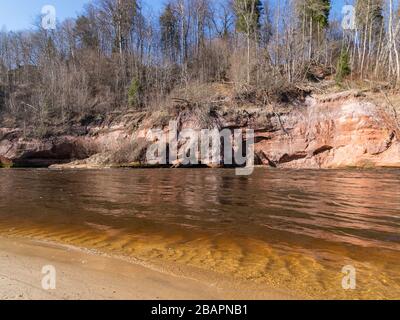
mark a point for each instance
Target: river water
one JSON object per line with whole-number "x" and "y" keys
{"x": 291, "y": 230}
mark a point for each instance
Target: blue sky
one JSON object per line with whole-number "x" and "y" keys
{"x": 21, "y": 14}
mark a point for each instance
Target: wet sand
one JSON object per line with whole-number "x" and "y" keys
{"x": 86, "y": 275}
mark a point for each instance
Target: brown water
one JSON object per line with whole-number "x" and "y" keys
{"x": 292, "y": 230}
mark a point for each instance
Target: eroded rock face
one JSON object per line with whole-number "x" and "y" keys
{"x": 337, "y": 134}
{"x": 17, "y": 150}
{"x": 23, "y": 151}
{"x": 4, "y": 162}
{"x": 325, "y": 132}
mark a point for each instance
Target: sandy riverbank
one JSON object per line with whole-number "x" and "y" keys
{"x": 82, "y": 275}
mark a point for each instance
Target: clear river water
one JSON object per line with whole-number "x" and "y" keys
{"x": 287, "y": 229}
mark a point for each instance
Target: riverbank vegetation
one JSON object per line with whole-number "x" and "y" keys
{"x": 120, "y": 55}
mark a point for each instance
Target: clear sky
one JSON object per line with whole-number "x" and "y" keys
{"x": 21, "y": 14}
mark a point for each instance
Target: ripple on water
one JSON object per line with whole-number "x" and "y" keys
{"x": 290, "y": 229}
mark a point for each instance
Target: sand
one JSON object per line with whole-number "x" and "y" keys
{"x": 86, "y": 275}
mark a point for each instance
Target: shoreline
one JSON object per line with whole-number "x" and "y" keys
{"x": 68, "y": 167}
{"x": 83, "y": 274}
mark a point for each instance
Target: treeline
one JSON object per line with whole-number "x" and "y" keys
{"x": 121, "y": 54}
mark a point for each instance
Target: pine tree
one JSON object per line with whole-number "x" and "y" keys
{"x": 266, "y": 24}
{"x": 369, "y": 18}
{"x": 248, "y": 14}
{"x": 124, "y": 13}
{"x": 369, "y": 14}
{"x": 343, "y": 68}
{"x": 314, "y": 18}
{"x": 321, "y": 10}
{"x": 134, "y": 93}
{"x": 170, "y": 40}
{"x": 85, "y": 31}
{"x": 316, "y": 10}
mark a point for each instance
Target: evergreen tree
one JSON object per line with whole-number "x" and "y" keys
{"x": 266, "y": 24}
{"x": 316, "y": 10}
{"x": 123, "y": 15}
{"x": 248, "y": 14}
{"x": 134, "y": 93}
{"x": 170, "y": 41}
{"x": 320, "y": 9}
{"x": 86, "y": 33}
{"x": 369, "y": 14}
{"x": 369, "y": 19}
{"x": 343, "y": 68}
{"x": 314, "y": 18}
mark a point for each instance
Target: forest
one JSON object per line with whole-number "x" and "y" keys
{"x": 121, "y": 55}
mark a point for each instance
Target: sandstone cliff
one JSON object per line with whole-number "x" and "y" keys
{"x": 336, "y": 131}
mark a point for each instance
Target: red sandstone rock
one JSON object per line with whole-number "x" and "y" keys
{"x": 333, "y": 135}
{"x": 328, "y": 132}
{"x": 4, "y": 162}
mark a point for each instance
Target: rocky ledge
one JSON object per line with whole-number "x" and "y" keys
{"x": 331, "y": 131}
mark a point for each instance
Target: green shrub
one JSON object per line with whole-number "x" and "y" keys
{"x": 343, "y": 68}
{"x": 134, "y": 93}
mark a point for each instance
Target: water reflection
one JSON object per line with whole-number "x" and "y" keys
{"x": 252, "y": 225}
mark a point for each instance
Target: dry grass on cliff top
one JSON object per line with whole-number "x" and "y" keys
{"x": 382, "y": 94}
{"x": 203, "y": 101}
{"x": 230, "y": 96}
{"x": 389, "y": 110}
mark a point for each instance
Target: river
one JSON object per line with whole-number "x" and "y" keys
{"x": 279, "y": 228}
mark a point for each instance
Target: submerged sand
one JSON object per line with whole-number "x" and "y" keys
{"x": 86, "y": 275}
{"x": 202, "y": 234}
